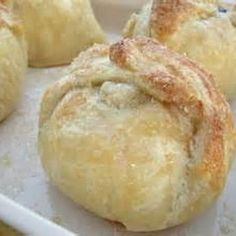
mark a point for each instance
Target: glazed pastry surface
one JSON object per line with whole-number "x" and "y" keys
{"x": 58, "y": 30}
{"x": 137, "y": 134}
{"x": 13, "y": 60}
{"x": 202, "y": 30}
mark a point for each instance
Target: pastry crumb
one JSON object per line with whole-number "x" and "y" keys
{"x": 57, "y": 220}
{"x": 6, "y": 160}
{"x": 227, "y": 221}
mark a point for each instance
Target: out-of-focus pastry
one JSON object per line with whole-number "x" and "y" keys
{"x": 13, "y": 60}
{"x": 137, "y": 134}
{"x": 57, "y": 30}
{"x": 8, "y": 3}
{"x": 203, "y": 30}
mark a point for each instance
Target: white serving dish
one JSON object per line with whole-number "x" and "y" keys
{"x": 27, "y": 221}
{"x": 23, "y": 180}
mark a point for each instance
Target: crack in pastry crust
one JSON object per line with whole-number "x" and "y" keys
{"x": 178, "y": 85}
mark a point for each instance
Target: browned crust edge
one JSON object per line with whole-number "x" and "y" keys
{"x": 214, "y": 114}
{"x": 167, "y": 16}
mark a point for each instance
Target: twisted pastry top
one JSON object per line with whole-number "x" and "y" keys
{"x": 139, "y": 70}
{"x": 168, "y": 16}
{"x": 203, "y": 30}
{"x": 161, "y": 19}
{"x": 164, "y": 75}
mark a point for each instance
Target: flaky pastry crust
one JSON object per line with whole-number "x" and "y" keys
{"x": 137, "y": 134}
{"x": 203, "y": 30}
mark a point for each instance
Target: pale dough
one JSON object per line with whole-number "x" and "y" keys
{"x": 137, "y": 134}
{"x": 58, "y": 30}
{"x": 13, "y": 61}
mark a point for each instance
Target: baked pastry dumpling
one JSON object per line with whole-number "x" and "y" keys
{"x": 13, "y": 60}
{"x": 57, "y": 30}
{"x": 206, "y": 32}
{"x": 137, "y": 134}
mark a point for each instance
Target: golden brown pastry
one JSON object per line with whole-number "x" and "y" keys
{"x": 137, "y": 134}
{"x": 13, "y": 60}
{"x": 201, "y": 30}
{"x": 57, "y": 30}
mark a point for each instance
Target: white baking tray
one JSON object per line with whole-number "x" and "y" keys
{"x": 23, "y": 180}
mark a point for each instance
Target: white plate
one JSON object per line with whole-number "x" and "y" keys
{"x": 23, "y": 180}
{"x": 27, "y": 221}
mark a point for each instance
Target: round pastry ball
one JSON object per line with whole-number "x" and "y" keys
{"x": 137, "y": 134}
{"x": 57, "y": 30}
{"x": 13, "y": 61}
{"x": 206, "y": 32}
